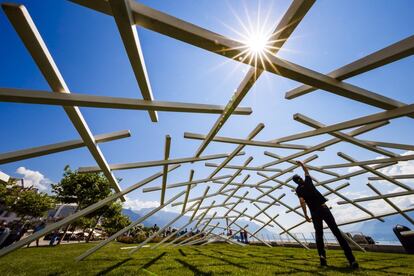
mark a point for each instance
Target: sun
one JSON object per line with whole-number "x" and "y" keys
{"x": 257, "y": 44}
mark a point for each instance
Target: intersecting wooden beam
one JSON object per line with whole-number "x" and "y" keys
{"x": 395, "y": 207}
{"x": 377, "y": 173}
{"x": 230, "y": 196}
{"x": 124, "y": 19}
{"x": 238, "y": 149}
{"x": 325, "y": 144}
{"x": 126, "y": 229}
{"x": 18, "y": 155}
{"x": 45, "y": 97}
{"x": 145, "y": 164}
{"x": 236, "y": 173}
{"x": 371, "y": 162}
{"x": 390, "y": 145}
{"x": 27, "y": 31}
{"x": 189, "y": 33}
{"x": 398, "y": 176}
{"x": 387, "y": 55}
{"x": 310, "y": 167}
{"x": 245, "y": 142}
{"x": 364, "y": 120}
{"x": 345, "y": 137}
{"x": 233, "y": 167}
{"x": 186, "y": 184}
{"x": 370, "y": 198}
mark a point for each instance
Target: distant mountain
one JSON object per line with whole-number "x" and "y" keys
{"x": 382, "y": 231}
{"x": 162, "y": 218}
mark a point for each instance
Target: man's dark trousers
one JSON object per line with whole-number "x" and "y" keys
{"x": 324, "y": 214}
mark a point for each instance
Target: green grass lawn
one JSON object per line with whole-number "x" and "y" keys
{"x": 213, "y": 259}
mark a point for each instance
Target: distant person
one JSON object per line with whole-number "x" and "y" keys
{"x": 54, "y": 237}
{"x": 241, "y": 236}
{"x": 245, "y": 236}
{"x": 37, "y": 228}
{"x": 310, "y": 196}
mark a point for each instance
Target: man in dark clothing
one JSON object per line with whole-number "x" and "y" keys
{"x": 309, "y": 195}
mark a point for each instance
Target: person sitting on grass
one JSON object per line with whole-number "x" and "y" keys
{"x": 310, "y": 196}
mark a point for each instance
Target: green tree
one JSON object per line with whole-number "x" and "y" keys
{"x": 113, "y": 220}
{"x": 85, "y": 189}
{"x": 25, "y": 202}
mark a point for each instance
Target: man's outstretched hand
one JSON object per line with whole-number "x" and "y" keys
{"x": 299, "y": 163}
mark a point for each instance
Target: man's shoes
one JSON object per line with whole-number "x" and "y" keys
{"x": 323, "y": 262}
{"x": 354, "y": 265}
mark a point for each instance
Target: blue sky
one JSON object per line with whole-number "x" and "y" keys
{"x": 87, "y": 49}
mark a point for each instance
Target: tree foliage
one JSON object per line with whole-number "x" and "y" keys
{"x": 25, "y": 202}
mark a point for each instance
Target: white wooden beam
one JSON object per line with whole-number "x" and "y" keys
{"x": 398, "y": 176}
{"x": 4, "y": 178}
{"x": 325, "y": 144}
{"x": 238, "y": 149}
{"x": 391, "y": 145}
{"x": 126, "y": 229}
{"x": 156, "y": 163}
{"x": 124, "y": 19}
{"x": 165, "y": 168}
{"x": 364, "y": 120}
{"x": 233, "y": 167}
{"x": 82, "y": 100}
{"x": 370, "y": 198}
{"x": 371, "y": 162}
{"x": 236, "y": 173}
{"x": 27, "y": 31}
{"x": 399, "y": 50}
{"x": 18, "y": 155}
{"x": 377, "y": 173}
{"x": 245, "y": 142}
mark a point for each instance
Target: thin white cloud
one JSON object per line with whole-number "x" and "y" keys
{"x": 35, "y": 179}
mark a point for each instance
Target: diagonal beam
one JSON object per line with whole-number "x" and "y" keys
{"x": 187, "y": 192}
{"x": 310, "y": 167}
{"x": 236, "y": 173}
{"x": 187, "y": 184}
{"x": 201, "y": 202}
{"x": 395, "y": 207}
{"x": 45, "y": 97}
{"x": 390, "y": 145}
{"x": 126, "y": 229}
{"x": 345, "y": 137}
{"x": 282, "y": 32}
{"x": 371, "y": 162}
{"x": 369, "y": 198}
{"x": 189, "y": 33}
{"x": 238, "y": 149}
{"x": 237, "y": 189}
{"x": 124, "y": 19}
{"x": 69, "y": 219}
{"x": 145, "y": 164}
{"x": 398, "y": 176}
{"x": 243, "y": 168}
{"x": 377, "y": 173}
{"x": 165, "y": 168}
{"x": 18, "y": 155}
{"x": 364, "y": 120}
{"x": 27, "y": 31}
{"x": 245, "y": 142}
{"x": 4, "y": 178}
{"x": 325, "y": 144}
{"x": 387, "y": 55}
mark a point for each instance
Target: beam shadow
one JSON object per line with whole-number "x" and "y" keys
{"x": 109, "y": 269}
{"x": 193, "y": 268}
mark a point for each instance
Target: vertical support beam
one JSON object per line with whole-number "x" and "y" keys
{"x": 187, "y": 192}
{"x": 125, "y": 21}
{"x": 26, "y": 29}
{"x": 201, "y": 201}
{"x": 165, "y": 169}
